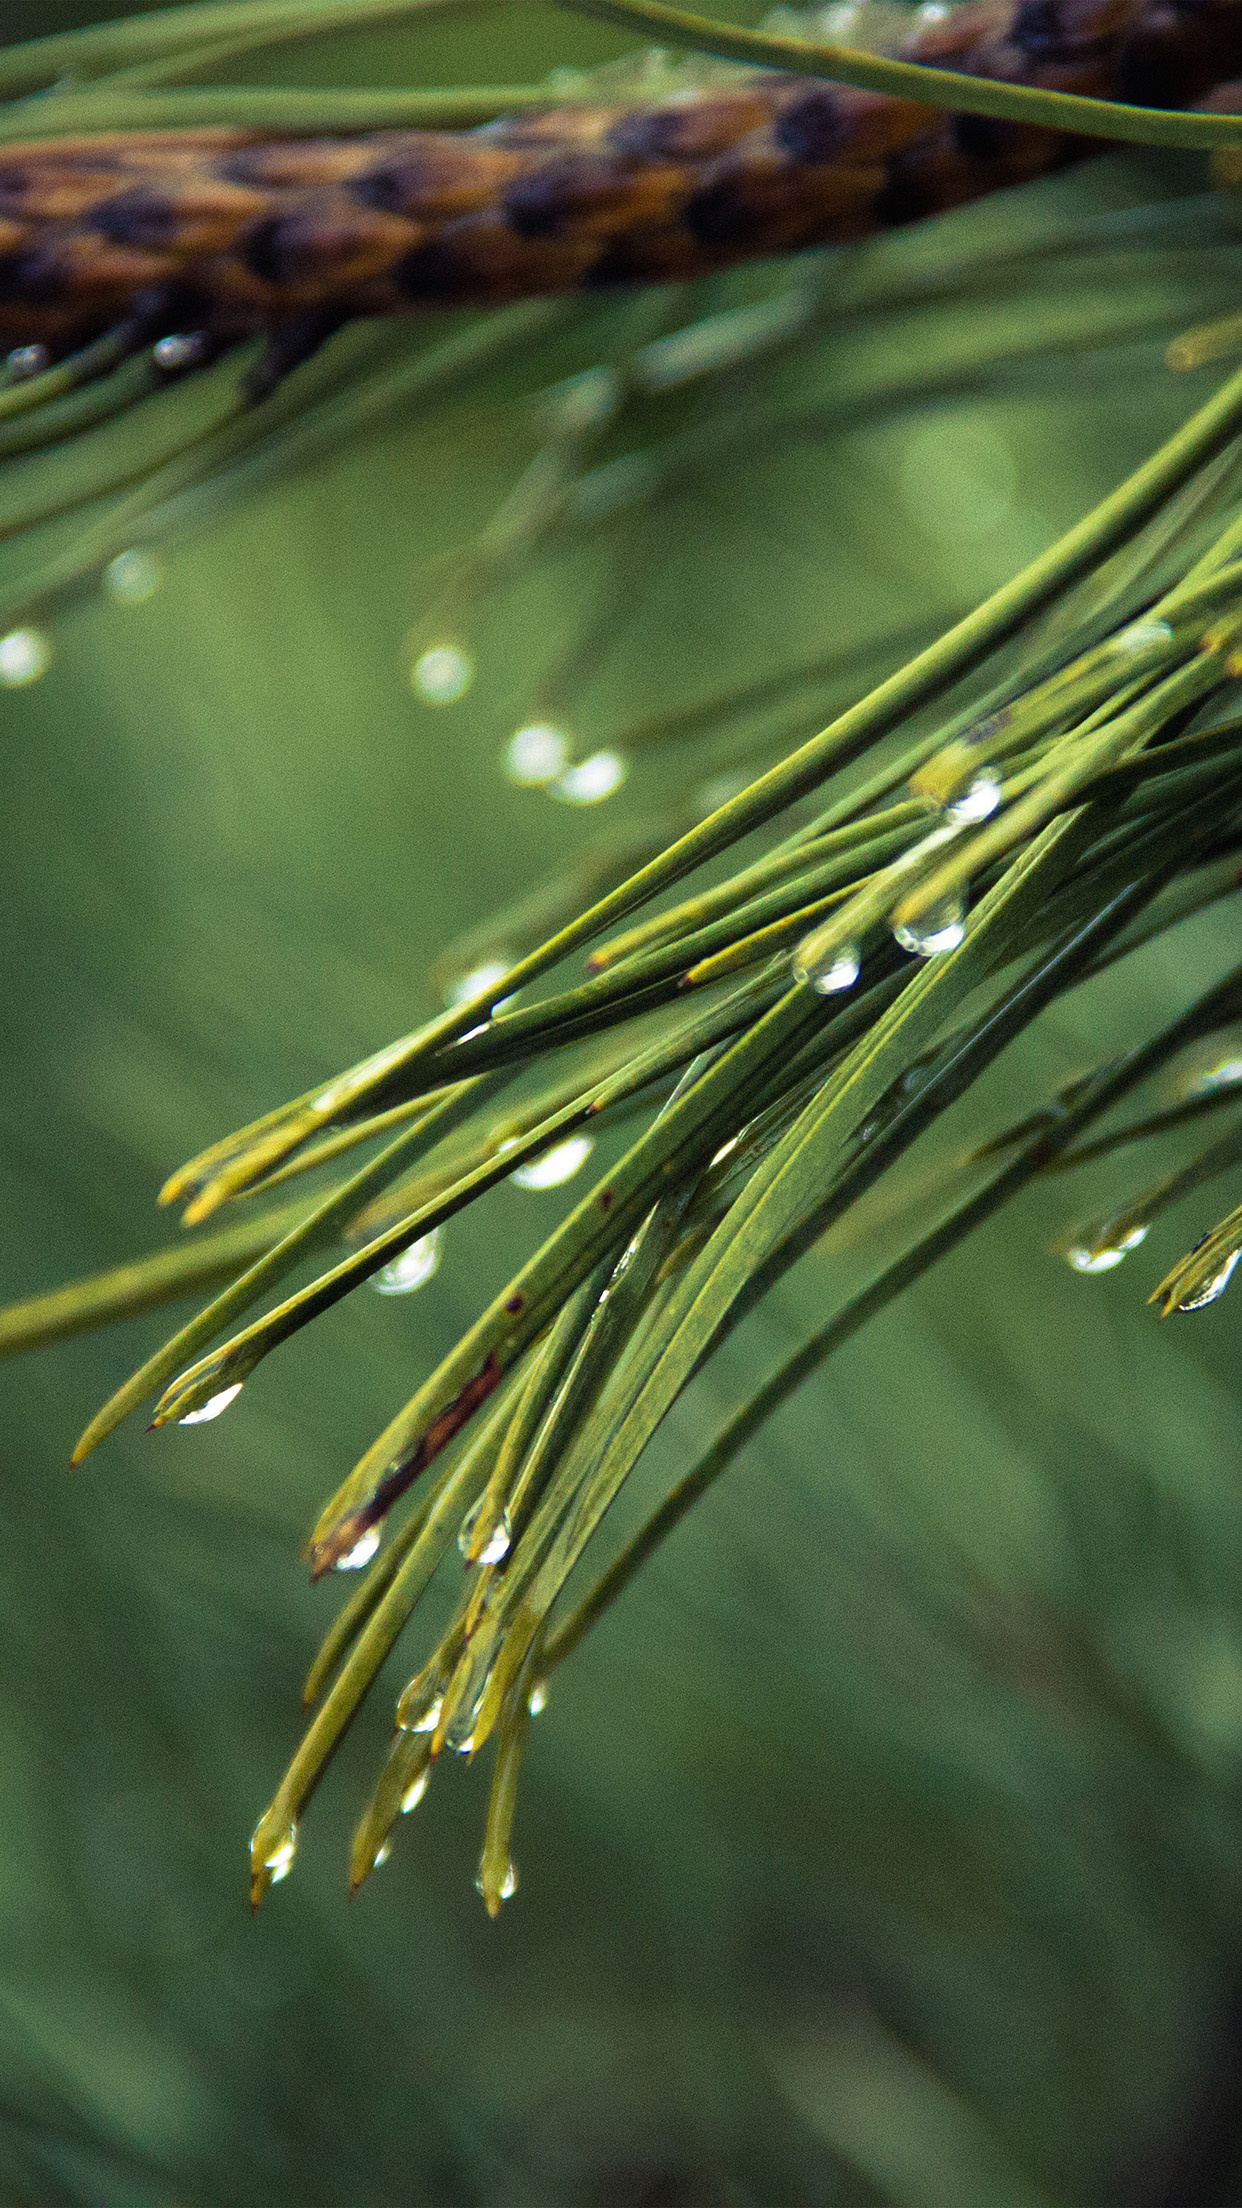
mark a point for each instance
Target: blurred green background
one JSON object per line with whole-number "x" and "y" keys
{"x": 883, "y": 1845}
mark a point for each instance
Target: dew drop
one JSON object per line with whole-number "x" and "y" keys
{"x": 26, "y": 361}
{"x": 412, "y": 1269}
{"x": 538, "y": 1698}
{"x": 508, "y": 1884}
{"x": 941, "y": 929}
{"x": 498, "y": 1542}
{"x": 361, "y": 1553}
{"x": 132, "y": 577}
{"x": 382, "y": 1854}
{"x": 419, "y": 1718}
{"x": 1215, "y": 1287}
{"x": 278, "y": 1862}
{"x": 442, "y": 674}
{"x": 212, "y": 1407}
{"x": 976, "y": 802}
{"x": 25, "y": 654}
{"x": 1226, "y": 1075}
{"x": 179, "y": 350}
{"x": 1101, "y": 1255}
{"x": 459, "y": 1732}
{"x": 591, "y": 780}
{"x": 468, "y": 985}
{"x": 1142, "y": 635}
{"x": 558, "y": 1164}
{"x": 536, "y": 754}
{"x": 837, "y": 970}
{"x": 415, "y": 1792}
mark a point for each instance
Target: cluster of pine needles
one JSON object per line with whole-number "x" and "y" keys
{"x": 1044, "y": 788}
{"x": 782, "y": 1037}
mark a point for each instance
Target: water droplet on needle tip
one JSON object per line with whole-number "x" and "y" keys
{"x": 941, "y": 929}
{"x": 836, "y": 971}
{"x": 506, "y": 1889}
{"x": 977, "y": 802}
{"x": 1101, "y": 1254}
{"x": 498, "y": 1542}
{"x": 361, "y": 1553}
{"x": 212, "y": 1407}
{"x": 1213, "y": 1288}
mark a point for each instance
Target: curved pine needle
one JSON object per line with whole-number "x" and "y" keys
{"x": 910, "y": 80}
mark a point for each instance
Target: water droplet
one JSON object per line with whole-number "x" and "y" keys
{"x": 1224, "y": 1076}
{"x": 361, "y": 1553}
{"x": 26, "y": 361}
{"x": 1141, "y": 635}
{"x": 591, "y": 779}
{"x": 498, "y": 1542}
{"x": 1215, "y": 1287}
{"x": 468, "y": 985}
{"x": 212, "y": 1407}
{"x": 419, "y": 1713}
{"x": 725, "y": 1149}
{"x": 179, "y": 350}
{"x": 837, "y": 970}
{"x": 415, "y": 1792}
{"x": 132, "y": 577}
{"x": 941, "y": 929}
{"x": 1100, "y": 1252}
{"x": 508, "y": 1884}
{"x": 538, "y": 1698}
{"x": 459, "y": 1732}
{"x": 278, "y": 1862}
{"x": 25, "y": 654}
{"x": 412, "y": 1269}
{"x": 558, "y": 1164}
{"x": 536, "y": 754}
{"x": 976, "y": 802}
{"x": 382, "y": 1854}
{"x": 442, "y": 674}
